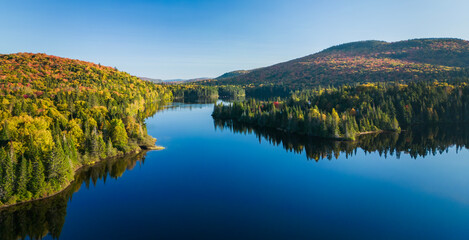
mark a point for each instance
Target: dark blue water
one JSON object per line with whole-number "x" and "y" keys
{"x": 213, "y": 184}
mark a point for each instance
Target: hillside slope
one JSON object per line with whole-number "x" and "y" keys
{"x": 367, "y": 61}
{"x": 233, "y": 74}
{"x": 58, "y": 114}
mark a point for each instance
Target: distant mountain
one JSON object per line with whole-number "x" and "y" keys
{"x": 365, "y": 61}
{"x": 151, "y": 80}
{"x": 177, "y": 81}
{"x": 173, "y": 81}
{"x": 233, "y": 74}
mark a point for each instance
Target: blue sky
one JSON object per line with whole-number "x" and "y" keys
{"x": 187, "y": 39}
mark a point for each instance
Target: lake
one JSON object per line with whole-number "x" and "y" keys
{"x": 221, "y": 181}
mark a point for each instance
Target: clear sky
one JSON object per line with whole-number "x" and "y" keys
{"x": 205, "y": 38}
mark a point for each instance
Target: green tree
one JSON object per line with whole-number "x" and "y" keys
{"x": 4, "y": 133}
{"x": 23, "y": 179}
{"x": 335, "y": 123}
{"x": 110, "y": 150}
{"x": 7, "y": 181}
{"x": 36, "y": 184}
{"x": 59, "y": 170}
{"x": 118, "y": 134}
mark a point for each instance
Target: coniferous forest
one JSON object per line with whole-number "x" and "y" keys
{"x": 348, "y": 111}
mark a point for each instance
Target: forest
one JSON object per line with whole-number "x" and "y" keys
{"x": 348, "y": 111}
{"x": 192, "y": 92}
{"x": 59, "y": 114}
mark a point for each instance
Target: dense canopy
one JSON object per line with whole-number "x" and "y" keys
{"x": 57, "y": 114}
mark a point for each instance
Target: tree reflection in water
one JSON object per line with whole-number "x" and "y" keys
{"x": 37, "y": 219}
{"x": 417, "y": 142}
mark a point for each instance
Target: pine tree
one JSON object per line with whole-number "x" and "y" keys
{"x": 22, "y": 179}
{"x": 64, "y": 165}
{"x": 93, "y": 144}
{"x": 4, "y": 134}
{"x": 59, "y": 168}
{"x": 36, "y": 184}
{"x": 7, "y": 181}
{"x": 101, "y": 147}
{"x": 110, "y": 150}
{"x": 72, "y": 150}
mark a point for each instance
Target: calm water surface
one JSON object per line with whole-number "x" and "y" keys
{"x": 211, "y": 183}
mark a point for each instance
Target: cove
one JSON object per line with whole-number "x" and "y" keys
{"x": 217, "y": 181}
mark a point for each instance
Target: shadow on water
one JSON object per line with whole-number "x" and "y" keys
{"x": 37, "y": 219}
{"x": 417, "y": 142}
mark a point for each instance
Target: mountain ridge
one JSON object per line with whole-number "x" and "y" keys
{"x": 365, "y": 61}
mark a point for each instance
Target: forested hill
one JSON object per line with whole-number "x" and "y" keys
{"x": 58, "y": 114}
{"x": 366, "y": 61}
{"x": 233, "y": 74}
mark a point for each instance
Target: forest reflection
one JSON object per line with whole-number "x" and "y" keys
{"x": 41, "y": 218}
{"x": 416, "y": 142}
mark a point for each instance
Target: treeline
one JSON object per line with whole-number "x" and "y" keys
{"x": 231, "y": 92}
{"x": 268, "y": 91}
{"x": 347, "y": 111}
{"x": 193, "y": 93}
{"x": 58, "y": 114}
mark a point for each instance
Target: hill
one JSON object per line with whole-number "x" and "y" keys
{"x": 366, "y": 61}
{"x": 181, "y": 81}
{"x": 233, "y": 74}
{"x": 153, "y": 80}
{"x": 58, "y": 114}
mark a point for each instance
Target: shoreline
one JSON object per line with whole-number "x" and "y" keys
{"x": 135, "y": 151}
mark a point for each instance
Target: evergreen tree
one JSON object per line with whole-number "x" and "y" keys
{"x": 110, "y": 150}
{"x": 22, "y": 179}
{"x": 7, "y": 181}
{"x": 37, "y": 182}
{"x": 4, "y": 134}
{"x": 59, "y": 166}
{"x": 101, "y": 147}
